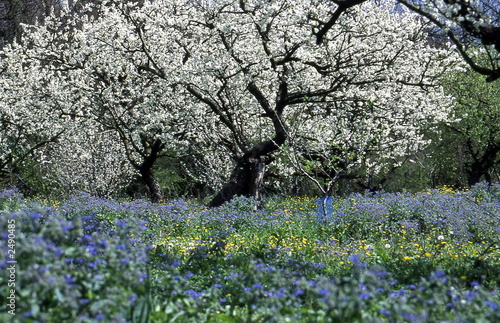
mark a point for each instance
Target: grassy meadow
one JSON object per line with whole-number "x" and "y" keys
{"x": 392, "y": 257}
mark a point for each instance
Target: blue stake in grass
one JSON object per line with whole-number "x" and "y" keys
{"x": 324, "y": 208}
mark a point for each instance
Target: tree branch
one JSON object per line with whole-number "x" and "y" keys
{"x": 343, "y": 5}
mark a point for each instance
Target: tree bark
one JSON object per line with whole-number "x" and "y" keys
{"x": 248, "y": 173}
{"x": 476, "y": 172}
{"x": 152, "y": 184}
{"x": 146, "y": 169}
{"x": 481, "y": 166}
{"x": 245, "y": 180}
{"x": 238, "y": 184}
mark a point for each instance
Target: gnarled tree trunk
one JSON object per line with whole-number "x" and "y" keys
{"x": 146, "y": 169}
{"x": 155, "y": 191}
{"x": 248, "y": 173}
{"x": 245, "y": 180}
{"x": 257, "y": 178}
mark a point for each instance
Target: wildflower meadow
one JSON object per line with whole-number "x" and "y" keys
{"x": 431, "y": 256}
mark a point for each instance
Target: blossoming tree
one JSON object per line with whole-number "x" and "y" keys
{"x": 61, "y": 152}
{"x": 235, "y": 83}
{"x": 354, "y": 98}
{"x": 466, "y": 22}
{"x": 26, "y": 125}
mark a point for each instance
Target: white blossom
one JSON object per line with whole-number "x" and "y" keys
{"x": 179, "y": 71}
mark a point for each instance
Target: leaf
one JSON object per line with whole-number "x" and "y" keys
{"x": 226, "y": 318}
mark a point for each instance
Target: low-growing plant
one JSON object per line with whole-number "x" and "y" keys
{"x": 424, "y": 257}
{"x": 79, "y": 269}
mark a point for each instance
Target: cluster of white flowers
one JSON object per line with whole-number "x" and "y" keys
{"x": 180, "y": 71}
{"x": 469, "y": 24}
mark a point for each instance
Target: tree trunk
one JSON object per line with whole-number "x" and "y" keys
{"x": 155, "y": 191}
{"x": 239, "y": 183}
{"x": 257, "y": 178}
{"x": 476, "y": 172}
{"x": 146, "y": 169}
{"x": 246, "y": 177}
{"x": 245, "y": 180}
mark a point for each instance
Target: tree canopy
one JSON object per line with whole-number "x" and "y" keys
{"x": 467, "y": 23}
{"x": 240, "y": 86}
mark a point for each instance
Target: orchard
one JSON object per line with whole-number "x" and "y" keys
{"x": 241, "y": 156}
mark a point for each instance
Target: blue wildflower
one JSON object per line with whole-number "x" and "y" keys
{"x": 385, "y": 312}
{"x": 103, "y": 243}
{"x": 193, "y": 294}
{"x": 69, "y": 280}
{"x": 323, "y": 292}
{"x": 281, "y": 293}
{"x": 298, "y": 292}
{"x": 83, "y": 301}
{"x": 257, "y": 286}
{"x": 121, "y": 223}
{"x": 364, "y": 295}
{"x": 36, "y": 216}
{"x": 492, "y": 305}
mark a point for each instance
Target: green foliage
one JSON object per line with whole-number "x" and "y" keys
{"x": 475, "y": 137}
{"x": 173, "y": 176}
